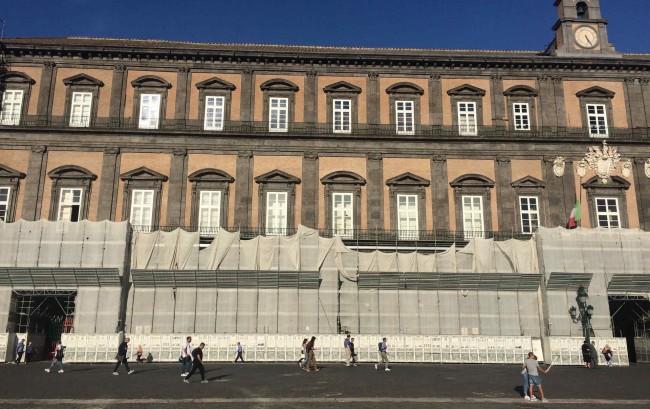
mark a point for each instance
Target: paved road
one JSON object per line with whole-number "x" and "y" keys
{"x": 273, "y": 386}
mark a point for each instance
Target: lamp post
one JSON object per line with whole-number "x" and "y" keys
{"x": 584, "y": 314}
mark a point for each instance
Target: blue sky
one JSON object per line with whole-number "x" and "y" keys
{"x": 460, "y": 24}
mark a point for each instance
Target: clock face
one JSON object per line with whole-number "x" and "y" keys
{"x": 586, "y": 37}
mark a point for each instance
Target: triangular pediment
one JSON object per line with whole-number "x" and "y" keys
{"x": 15, "y": 77}
{"x": 150, "y": 81}
{"x": 83, "y": 80}
{"x": 277, "y": 176}
{"x": 343, "y": 178}
{"x": 408, "y": 179}
{"x": 528, "y": 182}
{"x": 143, "y": 173}
{"x": 472, "y": 180}
{"x": 596, "y": 92}
{"x": 279, "y": 84}
{"x": 405, "y": 88}
{"x": 467, "y": 90}
{"x": 216, "y": 84}
{"x": 9, "y": 173}
{"x": 210, "y": 175}
{"x": 615, "y": 182}
{"x": 521, "y": 91}
{"x": 342, "y": 86}
{"x": 71, "y": 172}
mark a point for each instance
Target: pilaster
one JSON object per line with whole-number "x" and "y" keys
{"x": 177, "y": 188}
{"x": 497, "y": 100}
{"x": 108, "y": 187}
{"x": 34, "y": 183}
{"x": 435, "y": 100}
{"x": 247, "y": 95}
{"x": 642, "y": 192}
{"x": 310, "y": 185}
{"x": 182, "y": 80}
{"x": 244, "y": 189}
{"x": 547, "y": 102}
{"x": 311, "y": 97}
{"x": 375, "y": 190}
{"x": 118, "y": 86}
{"x": 48, "y": 77}
{"x": 505, "y": 194}
{"x": 440, "y": 193}
{"x": 372, "y": 98}
{"x": 560, "y": 106}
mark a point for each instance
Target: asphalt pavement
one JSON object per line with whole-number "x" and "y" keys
{"x": 254, "y": 385}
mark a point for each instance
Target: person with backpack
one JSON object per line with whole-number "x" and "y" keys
{"x": 383, "y": 355}
{"x": 20, "y": 349}
{"x": 58, "y": 357}
{"x": 348, "y": 354}
{"x": 121, "y": 357}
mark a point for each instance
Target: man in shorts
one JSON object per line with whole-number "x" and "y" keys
{"x": 533, "y": 368}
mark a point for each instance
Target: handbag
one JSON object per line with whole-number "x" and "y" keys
{"x": 119, "y": 357}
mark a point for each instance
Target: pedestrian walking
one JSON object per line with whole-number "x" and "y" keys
{"x": 586, "y": 354}
{"x": 607, "y": 352}
{"x": 302, "y": 353}
{"x": 524, "y": 373}
{"x": 121, "y": 357}
{"x": 383, "y": 355}
{"x": 593, "y": 353}
{"x": 186, "y": 356}
{"x": 20, "y": 349}
{"x": 352, "y": 353}
{"x": 138, "y": 355}
{"x": 533, "y": 369}
{"x": 311, "y": 356}
{"x": 59, "y": 354}
{"x": 240, "y": 351}
{"x": 29, "y": 353}
{"x": 348, "y": 354}
{"x": 197, "y": 363}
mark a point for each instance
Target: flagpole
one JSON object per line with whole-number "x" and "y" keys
{"x": 580, "y": 188}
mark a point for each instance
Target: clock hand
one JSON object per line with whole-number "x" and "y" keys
{"x": 588, "y": 40}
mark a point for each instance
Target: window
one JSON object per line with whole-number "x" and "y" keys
{"x": 69, "y": 205}
{"x": 407, "y": 216}
{"x": 473, "y": 216}
{"x": 607, "y": 212}
{"x": 343, "y": 214}
{"x": 404, "y": 117}
{"x": 81, "y": 109}
{"x": 342, "y": 116}
{"x": 4, "y": 202}
{"x": 149, "y": 111}
{"x": 467, "y": 124}
{"x": 529, "y": 211}
{"x": 278, "y": 114}
{"x": 521, "y": 116}
{"x": 214, "y": 113}
{"x": 12, "y": 102}
{"x": 276, "y": 213}
{"x": 142, "y": 210}
{"x": 597, "y": 119}
{"x": 209, "y": 211}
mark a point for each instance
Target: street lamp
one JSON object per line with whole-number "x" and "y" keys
{"x": 585, "y": 313}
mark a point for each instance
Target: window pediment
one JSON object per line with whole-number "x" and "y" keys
{"x": 616, "y": 182}
{"x": 521, "y": 91}
{"x": 343, "y": 178}
{"x": 404, "y": 88}
{"x": 528, "y": 182}
{"x": 215, "y": 84}
{"x": 15, "y": 77}
{"x": 83, "y": 80}
{"x": 342, "y": 87}
{"x": 150, "y": 81}
{"x": 466, "y": 90}
{"x": 143, "y": 173}
{"x": 211, "y": 175}
{"x": 279, "y": 84}
{"x": 277, "y": 176}
{"x": 71, "y": 172}
{"x": 407, "y": 179}
{"x": 472, "y": 180}
{"x": 9, "y": 173}
{"x": 596, "y": 92}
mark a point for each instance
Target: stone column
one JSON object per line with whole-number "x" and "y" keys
{"x": 440, "y": 192}
{"x": 497, "y": 100}
{"x": 182, "y": 79}
{"x": 108, "y": 187}
{"x": 310, "y": 185}
{"x": 375, "y": 190}
{"x": 244, "y": 189}
{"x": 372, "y": 98}
{"x": 645, "y": 95}
{"x": 548, "y": 117}
{"x": 642, "y": 191}
{"x": 48, "y": 77}
{"x": 311, "y": 97}
{"x": 560, "y": 106}
{"x": 177, "y": 188}
{"x": 34, "y": 183}
{"x": 435, "y": 100}
{"x": 116, "y": 109}
{"x": 505, "y": 194}
{"x": 635, "y": 104}
{"x": 247, "y": 95}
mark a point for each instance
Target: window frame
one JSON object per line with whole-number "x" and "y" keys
{"x": 345, "y": 232}
{"x": 343, "y": 90}
{"x": 149, "y": 85}
{"x": 597, "y": 118}
{"x": 466, "y": 93}
{"x": 596, "y": 96}
{"x": 277, "y": 181}
{"x": 343, "y": 182}
{"x": 474, "y": 128}
{"x": 403, "y": 123}
{"x": 215, "y": 180}
{"x": 10, "y": 178}
{"x": 616, "y": 188}
{"x": 6, "y": 203}
{"x": 71, "y": 205}
{"x": 279, "y": 88}
{"x": 404, "y": 92}
{"x": 82, "y": 123}
{"x": 529, "y": 186}
{"x": 215, "y": 87}
{"x": 141, "y": 123}
{"x": 522, "y": 94}
{"x": 473, "y": 185}
{"x": 607, "y": 212}
{"x": 13, "y": 118}
{"x": 81, "y": 83}
{"x": 279, "y": 110}
{"x": 524, "y": 117}
{"x": 70, "y": 177}
{"x": 407, "y": 234}
{"x": 210, "y": 207}
{"x": 220, "y": 125}
{"x": 342, "y": 112}
{"x": 412, "y": 185}
{"x": 528, "y": 212}
{"x": 142, "y": 227}
{"x": 142, "y": 178}
{"x": 275, "y": 230}
{"x": 18, "y": 81}
{"x": 473, "y": 233}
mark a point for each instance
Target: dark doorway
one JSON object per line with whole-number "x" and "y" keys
{"x": 627, "y": 312}
{"x": 44, "y": 315}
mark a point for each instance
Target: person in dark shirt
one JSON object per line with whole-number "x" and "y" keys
{"x": 197, "y": 363}
{"x": 353, "y": 354}
{"x": 121, "y": 357}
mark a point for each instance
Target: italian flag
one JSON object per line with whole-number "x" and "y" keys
{"x": 574, "y": 217}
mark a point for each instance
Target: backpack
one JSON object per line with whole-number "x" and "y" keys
{"x": 379, "y": 346}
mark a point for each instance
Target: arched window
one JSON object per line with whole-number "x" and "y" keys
{"x": 582, "y": 10}
{"x": 408, "y": 205}
{"x": 16, "y": 90}
{"x": 142, "y": 197}
{"x": 215, "y": 97}
{"x": 404, "y": 106}
{"x": 210, "y": 192}
{"x": 81, "y": 99}
{"x": 472, "y": 197}
{"x": 279, "y": 104}
{"x": 343, "y": 202}
{"x": 277, "y": 202}
{"x": 71, "y": 189}
{"x": 342, "y": 106}
{"x": 149, "y": 101}
{"x": 467, "y": 108}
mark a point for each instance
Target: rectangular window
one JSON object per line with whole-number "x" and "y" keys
{"x": 70, "y": 205}
{"x": 80, "y": 109}
{"x": 278, "y": 114}
{"x": 473, "y": 216}
{"x": 209, "y": 211}
{"x": 404, "y": 116}
{"x": 342, "y": 214}
{"x": 12, "y": 103}
{"x": 597, "y": 118}
{"x": 149, "y": 111}
{"x": 276, "y": 213}
{"x": 607, "y": 212}
{"x": 467, "y": 122}
{"x": 214, "y": 113}
{"x": 407, "y": 217}
{"x": 521, "y": 117}
{"x": 342, "y": 116}
{"x": 529, "y": 211}
{"x": 4, "y": 202}
{"x": 142, "y": 209}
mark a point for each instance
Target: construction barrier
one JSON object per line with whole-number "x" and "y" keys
{"x": 567, "y": 350}
{"x": 642, "y": 349}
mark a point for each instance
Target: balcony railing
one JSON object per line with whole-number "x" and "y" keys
{"x": 306, "y": 128}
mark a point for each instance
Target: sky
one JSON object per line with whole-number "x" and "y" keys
{"x": 437, "y": 24}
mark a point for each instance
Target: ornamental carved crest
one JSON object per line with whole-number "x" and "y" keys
{"x": 646, "y": 168}
{"x": 626, "y": 171}
{"x": 602, "y": 160}
{"x": 558, "y": 166}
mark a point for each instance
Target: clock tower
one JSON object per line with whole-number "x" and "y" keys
{"x": 580, "y": 31}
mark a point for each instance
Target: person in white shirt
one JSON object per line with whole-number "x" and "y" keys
{"x": 186, "y": 356}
